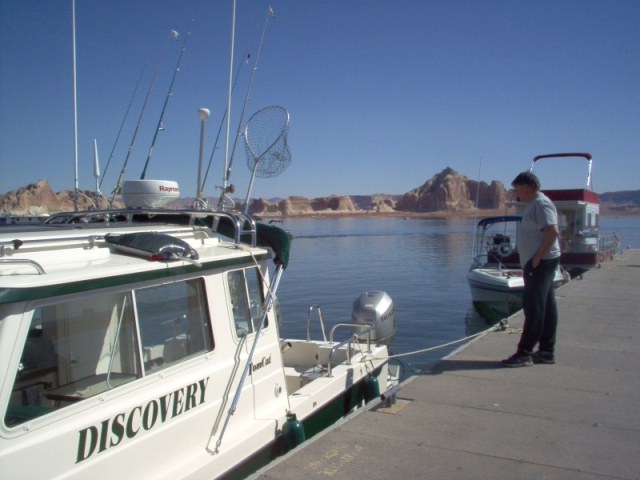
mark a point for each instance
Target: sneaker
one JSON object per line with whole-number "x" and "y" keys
{"x": 543, "y": 357}
{"x": 518, "y": 360}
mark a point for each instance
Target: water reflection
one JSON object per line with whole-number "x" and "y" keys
{"x": 475, "y": 322}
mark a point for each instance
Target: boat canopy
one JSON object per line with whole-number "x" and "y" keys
{"x": 587, "y": 156}
{"x": 485, "y": 222}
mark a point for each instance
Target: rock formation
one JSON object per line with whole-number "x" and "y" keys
{"x": 451, "y": 192}
{"x": 39, "y": 199}
{"x": 620, "y": 202}
{"x": 298, "y": 205}
{"x": 34, "y": 199}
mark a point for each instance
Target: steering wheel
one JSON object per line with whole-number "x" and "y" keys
{"x": 504, "y": 250}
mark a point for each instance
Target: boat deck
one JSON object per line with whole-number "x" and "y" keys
{"x": 469, "y": 417}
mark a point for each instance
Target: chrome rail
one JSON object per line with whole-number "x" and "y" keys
{"x": 608, "y": 243}
{"x": 348, "y": 341}
{"x": 243, "y": 224}
{"x": 25, "y": 261}
{"x": 275, "y": 281}
{"x": 313, "y": 307}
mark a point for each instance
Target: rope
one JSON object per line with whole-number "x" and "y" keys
{"x": 500, "y": 327}
{"x": 496, "y": 328}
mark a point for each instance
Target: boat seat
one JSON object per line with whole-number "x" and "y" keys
{"x": 175, "y": 348}
{"x": 292, "y": 380}
{"x": 324, "y": 351}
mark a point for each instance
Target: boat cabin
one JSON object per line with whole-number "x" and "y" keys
{"x": 581, "y": 245}
{"x": 578, "y": 217}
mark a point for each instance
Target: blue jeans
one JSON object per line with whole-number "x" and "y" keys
{"x": 539, "y": 306}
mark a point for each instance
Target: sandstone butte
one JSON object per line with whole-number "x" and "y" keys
{"x": 446, "y": 194}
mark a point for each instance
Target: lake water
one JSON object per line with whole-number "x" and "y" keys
{"x": 421, "y": 263}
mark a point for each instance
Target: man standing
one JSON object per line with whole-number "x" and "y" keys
{"x": 539, "y": 250}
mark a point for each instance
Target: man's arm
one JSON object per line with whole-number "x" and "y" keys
{"x": 549, "y": 235}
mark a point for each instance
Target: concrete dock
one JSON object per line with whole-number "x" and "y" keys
{"x": 471, "y": 418}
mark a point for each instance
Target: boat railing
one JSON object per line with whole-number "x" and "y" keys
{"x": 23, "y": 261}
{"x": 242, "y": 219}
{"x": 317, "y": 308}
{"x": 353, "y": 338}
{"x": 244, "y": 226}
{"x": 607, "y": 244}
{"x": 62, "y": 229}
{"x": 480, "y": 260}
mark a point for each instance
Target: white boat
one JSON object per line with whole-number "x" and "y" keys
{"x": 22, "y": 219}
{"x": 145, "y": 344}
{"x": 581, "y": 244}
{"x": 495, "y": 276}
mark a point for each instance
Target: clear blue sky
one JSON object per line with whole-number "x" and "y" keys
{"x": 382, "y": 94}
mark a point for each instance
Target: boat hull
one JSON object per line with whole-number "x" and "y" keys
{"x": 501, "y": 289}
{"x": 498, "y": 290}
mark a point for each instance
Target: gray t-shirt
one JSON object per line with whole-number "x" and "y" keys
{"x": 539, "y": 213}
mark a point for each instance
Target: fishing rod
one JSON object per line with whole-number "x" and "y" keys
{"x": 227, "y": 173}
{"x": 122, "y": 125}
{"x": 245, "y": 59}
{"x": 116, "y": 191}
{"x": 475, "y": 218}
{"x": 166, "y": 100}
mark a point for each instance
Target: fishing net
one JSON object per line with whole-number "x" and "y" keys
{"x": 265, "y": 142}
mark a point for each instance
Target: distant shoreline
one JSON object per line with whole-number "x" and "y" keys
{"x": 371, "y": 214}
{"x": 481, "y": 213}
{"x": 440, "y": 214}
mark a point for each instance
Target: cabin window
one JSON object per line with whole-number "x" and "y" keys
{"x": 84, "y": 347}
{"x": 245, "y": 292}
{"x": 173, "y": 323}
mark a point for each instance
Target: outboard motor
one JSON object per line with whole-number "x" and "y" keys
{"x": 375, "y": 308}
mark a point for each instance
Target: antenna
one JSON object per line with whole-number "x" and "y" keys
{"x": 96, "y": 166}
{"x": 225, "y": 182}
{"x": 75, "y": 111}
{"x": 203, "y": 115}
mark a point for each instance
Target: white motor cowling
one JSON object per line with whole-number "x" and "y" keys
{"x": 375, "y": 308}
